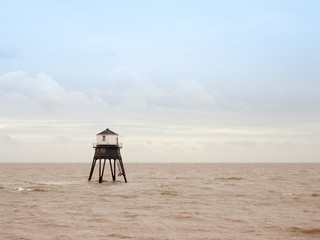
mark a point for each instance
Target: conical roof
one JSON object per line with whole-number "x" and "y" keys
{"x": 107, "y": 132}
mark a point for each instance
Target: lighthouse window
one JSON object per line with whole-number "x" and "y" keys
{"x": 103, "y": 138}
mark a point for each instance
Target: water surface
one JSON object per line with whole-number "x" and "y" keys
{"x": 161, "y": 201}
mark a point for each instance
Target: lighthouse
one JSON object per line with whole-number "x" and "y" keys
{"x": 108, "y": 148}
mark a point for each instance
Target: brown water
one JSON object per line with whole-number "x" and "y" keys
{"x": 161, "y": 201}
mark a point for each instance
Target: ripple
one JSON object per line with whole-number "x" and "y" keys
{"x": 229, "y": 178}
{"x": 306, "y": 230}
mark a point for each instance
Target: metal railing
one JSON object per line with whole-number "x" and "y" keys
{"x": 119, "y": 145}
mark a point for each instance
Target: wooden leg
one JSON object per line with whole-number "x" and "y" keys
{"x": 114, "y": 169}
{"x": 123, "y": 171}
{"x": 104, "y": 163}
{"x": 100, "y": 173}
{"x": 111, "y": 168}
{"x": 92, "y": 168}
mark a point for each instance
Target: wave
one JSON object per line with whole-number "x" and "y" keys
{"x": 56, "y": 183}
{"x": 33, "y": 189}
{"x": 118, "y": 236}
{"x": 179, "y": 178}
{"x": 39, "y": 189}
{"x": 306, "y": 230}
{"x": 130, "y": 196}
{"x": 169, "y": 193}
{"x": 277, "y": 178}
{"x": 229, "y": 178}
{"x": 184, "y": 217}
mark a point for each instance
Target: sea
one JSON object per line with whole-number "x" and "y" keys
{"x": 161, "y": 201}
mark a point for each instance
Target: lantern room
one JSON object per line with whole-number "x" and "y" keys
{"x": 107, "y": 137}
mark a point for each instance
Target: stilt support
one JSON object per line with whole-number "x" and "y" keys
{"x": 122, "y": 170}
{"x": 92, "y": 168}
{"x": 113, "y": 169}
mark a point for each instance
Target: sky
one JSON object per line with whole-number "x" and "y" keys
{"x": 178, "y": 80}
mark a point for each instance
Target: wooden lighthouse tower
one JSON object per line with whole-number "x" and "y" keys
{"x": 108, "y": 148}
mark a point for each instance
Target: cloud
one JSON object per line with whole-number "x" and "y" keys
{"x": 187, "y": 94}
{"x": 8, "y": 140}
{"x": 123, "y": 86}
{"x": 24, "y": 94}
{"x": 128, "y": 87}
{"x": 127, "y": 94}
{"x": 37, "y": 110}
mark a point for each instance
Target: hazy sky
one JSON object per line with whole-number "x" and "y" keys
{"x": 214, "y": 81}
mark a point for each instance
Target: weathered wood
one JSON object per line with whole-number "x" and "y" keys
{"x": 114, "y": 169}
{"x": 122, "y": 170}
{"x": 92, "y": 168}
{"x": 101, "y": 177}
{"x": 100, "y": 173}
{"x": 111, "y": 169}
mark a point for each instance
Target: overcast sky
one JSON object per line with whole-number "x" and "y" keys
{"x": 189, "y": 80}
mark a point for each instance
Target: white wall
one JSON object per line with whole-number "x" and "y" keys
{"x": 109, "y": 140}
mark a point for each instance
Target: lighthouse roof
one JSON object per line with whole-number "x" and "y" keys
{"x": 107, "y": 132}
